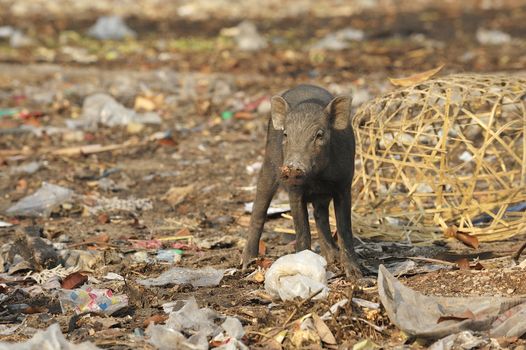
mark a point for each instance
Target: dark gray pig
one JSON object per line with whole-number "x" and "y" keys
{"x": 309, "y": 150}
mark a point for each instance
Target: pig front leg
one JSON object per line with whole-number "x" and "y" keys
{"x": 298, "y": 206}
{"x": 328, "y": 246}
{"x": 266, "y": 188}
{"x": 342, "y": 208}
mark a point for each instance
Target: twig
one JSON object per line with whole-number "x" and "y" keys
{"x": 80, "y": 244}
{"x": 259, "y": 333}
{"x": 518, "y": 253}
{"x": 443, "y": 262}
{"x": 377, "y": 328}
{"x": 297, "y": 307}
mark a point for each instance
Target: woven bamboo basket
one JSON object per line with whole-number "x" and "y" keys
{"x": 446, "y": 152}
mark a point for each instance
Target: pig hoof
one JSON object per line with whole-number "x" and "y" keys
{"x": 353, "y": 272}
{"x": 331, "y": 255}
{"x": 351, "y": 267}
{"x": 246, "y": 260}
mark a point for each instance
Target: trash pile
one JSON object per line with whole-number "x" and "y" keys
{"x": 132, "y": 136}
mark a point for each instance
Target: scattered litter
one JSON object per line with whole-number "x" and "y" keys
{"x": 28, "y": 168}
{"x": 112, "y": 276}
{"x": 274, "y": 208}
{"x": 254, "y": 168}
{"x": 177, "y": 195}
{"x": 305, "y": 333}
{"x": 492, "y": 37}
{"x": 88, "y": 299}
{"x": 50, "y": 339}
{"x": 366, "y": 344}
{"x": 146, "y": 243}
{"x": 141, "y": 257}
{"x": 466, "y": 156}
{"x": 415, "y": 79}
{"x": 333, "y": 310}
{"x": 17, "y": 38}
{"x": 339, "y": 40}
{"x": 74, "y": 280}
{"x": 228, "y": 343}
{"x": 189, "y": 319}
{"x": 323, "y": 330}
{"x": 233, "y": 327}
{"x": 246, "y": 36}
{"x": 463, "y": 340}
{"x": 114, "y": 203}
{"x": 8, "y": 330}
{"x": 30, "y": 252}
{"x": 484, "y": 218}
{"x": 110, "y": 28}
{"x": 51, "y": 277}
{"x": 436, "y": 317}
{"x": 205, "y": 277}
{"x": 104, "y": 109}
{"x": 401, "y": 268}
{"x": 80, "y": 260}
{"x": 42, "y": 202}
{"x": 8, "y": 112}
{"x": 198, "y": 324}
{"x": 6, "y": 32}
{"x": 365, "y": 303}
{"x": 226, "y": 241}
{"x": 226, "y": 115}
{"x": 298, "y": 275}
{"x": 170, "y": 255}
{"x": 5, "y": 224}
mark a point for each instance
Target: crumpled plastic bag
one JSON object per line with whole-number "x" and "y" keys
{"x": 418, "y": 315}
{"x": 190, "y": 319}
{"x": 464, "y": 340}
{"x": 198, "y": 324}
{"x": 104, "y": 109}
{"x": 205, "y": 277}
{"x": 87, "y": 299}
{"x": 42, "y": 202}
{"x": 110, "y": 28}
{"x": 50, "y": 339}
{"x": 297, "y": 275}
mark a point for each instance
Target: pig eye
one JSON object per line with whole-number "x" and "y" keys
{"x": 284, "y": 134}
{"x": 319, "y": 134}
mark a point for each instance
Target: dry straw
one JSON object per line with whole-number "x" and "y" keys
{"x": 446, "y": 152}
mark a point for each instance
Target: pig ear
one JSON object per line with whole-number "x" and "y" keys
{"x": 278, "y": 111}
{"x": 339, "y": 112}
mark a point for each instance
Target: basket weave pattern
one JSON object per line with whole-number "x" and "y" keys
{"x": 448, "y": 151}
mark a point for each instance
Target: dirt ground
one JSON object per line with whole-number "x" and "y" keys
{"x": 197, "y": 167}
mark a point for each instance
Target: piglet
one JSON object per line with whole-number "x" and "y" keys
{"x": 310, "y": 151}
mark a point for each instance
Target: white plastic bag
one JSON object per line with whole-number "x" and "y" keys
{"x": 42, "y": 202}
{"x": 49, "y": 339}
{"x": 297, "y": 275}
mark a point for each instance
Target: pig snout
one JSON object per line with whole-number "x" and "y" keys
{"x": 293, "y": 174}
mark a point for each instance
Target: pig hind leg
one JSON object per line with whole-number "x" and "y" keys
{"x": 342, "y": 208}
